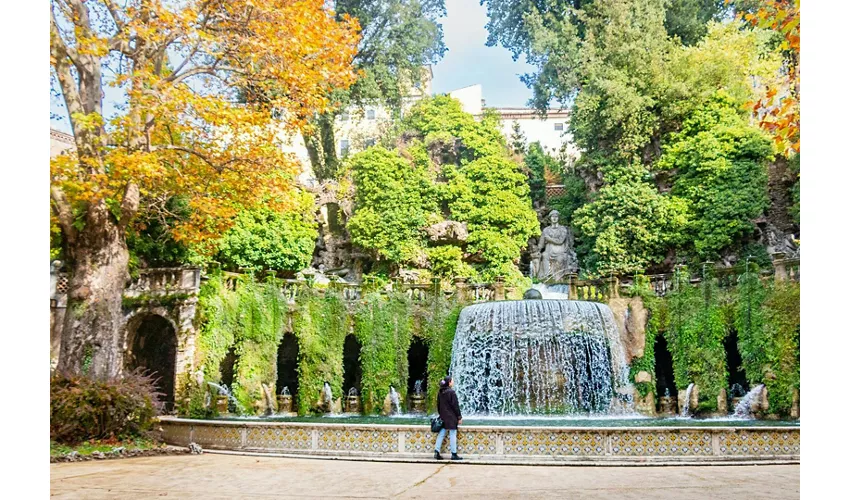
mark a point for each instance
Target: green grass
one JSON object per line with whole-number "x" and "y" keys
{"x": 89, "y": 447}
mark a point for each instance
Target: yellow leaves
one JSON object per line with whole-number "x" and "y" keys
{"x": 185, "y": 126}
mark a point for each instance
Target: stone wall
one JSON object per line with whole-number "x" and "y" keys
{"x": 505, "y": 443}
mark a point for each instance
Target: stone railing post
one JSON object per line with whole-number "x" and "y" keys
{"x": 613, "y": 287}
{"x": 572, "y": 278}
{"x": 779, "y": 271}
{"x": 462, "y": 289}
{"x": 499, "y": 288}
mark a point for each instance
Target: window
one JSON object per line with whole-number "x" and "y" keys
{"x": 559, "y": 127}
{"x": 343, "y": 147}
{"x": 370, "y": 114}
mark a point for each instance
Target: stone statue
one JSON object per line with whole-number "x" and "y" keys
{"x": 555, "y": 252}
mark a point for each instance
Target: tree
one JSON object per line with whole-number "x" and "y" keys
{"x": 399, "y": 38}
{"x": 449, "y": 170}
{"x": 688, "y": 19}
{"x": 721, "y": 170}
{"x": 263, "y": 239}
{"x": 779, "y": 110}
{"x": 179, "y": 130}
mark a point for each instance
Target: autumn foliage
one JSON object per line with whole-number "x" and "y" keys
{"x": 186, "y": 127}
{"x": 779, "y": 110}
{"x": 206, "y": 91}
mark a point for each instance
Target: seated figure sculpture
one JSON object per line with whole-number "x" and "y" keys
{"x": 555, "y": 252}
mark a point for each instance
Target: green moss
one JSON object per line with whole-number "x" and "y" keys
{"x": 437, "y": 326}
{"x": 148, "y": 300}
{"x": 384, "y": 327}
{"x": 695, "y": 336}
{"x": 320, "y": 323}
{"x": 655, "y": 323}
{"x": 767, "y": 318}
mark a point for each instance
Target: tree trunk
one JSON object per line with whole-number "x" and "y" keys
{"x": 92, "y": 341}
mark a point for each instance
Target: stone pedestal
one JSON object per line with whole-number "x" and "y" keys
{"x": 499, "y": 286}
{"x": 352, "y": 404}
{"x": 462, "y": 290}
{"x": 221, "y": 403}
{"x": 284, "y": 403}
{"x": 667, "y": 405}
{"x": 417, "y": 403}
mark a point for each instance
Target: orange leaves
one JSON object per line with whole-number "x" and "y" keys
{"x": 779, "y": 111}
{"x": 186, "y": 126}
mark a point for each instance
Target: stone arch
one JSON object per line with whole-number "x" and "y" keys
{"x": 734, "y": 366}
{"x": 352, "y": 371}
{"x": 287, "y": 364}
{"x": 152, "y": 346}
{"x": 664, "y": 381}
{"x": 417, "y": 364}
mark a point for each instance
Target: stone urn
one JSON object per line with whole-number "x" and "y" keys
{"x": 352, "y": 403}
{"x": 417, "y": 403}
{"x": 284, "y": 403}
{"x": 667, "y": 405}
{"x": 221, "y": 403}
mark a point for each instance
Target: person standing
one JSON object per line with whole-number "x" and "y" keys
{"x": 449, "y": 411}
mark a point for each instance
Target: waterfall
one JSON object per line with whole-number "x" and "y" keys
{"x": 540, "y": 356}
{"x": 686, "y": 408}
{"x": 744, "y": 408}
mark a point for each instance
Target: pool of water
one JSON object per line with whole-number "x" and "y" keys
{"x": 533, "y": 421}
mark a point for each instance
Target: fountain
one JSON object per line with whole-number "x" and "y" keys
{"x": 667, "y": 403}
{"x": 327, "y": 399}
{"x": 226, "y": 402}
{"x": 751, "y": 403}
{"x": 540, "y": 357}
{"x": 686, "y": 404}
{"x": 417, "y": 399}
{"x": 284, "y": 401}
{"x": 395, "y": 404}
{"x": 352, "y": 401}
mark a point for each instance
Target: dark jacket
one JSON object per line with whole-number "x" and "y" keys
{"x": 448, "y": 408}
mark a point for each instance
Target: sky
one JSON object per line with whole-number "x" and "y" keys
{"x": 467, "y": 61}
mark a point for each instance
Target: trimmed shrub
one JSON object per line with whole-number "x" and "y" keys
{"x": 83, "y": 408}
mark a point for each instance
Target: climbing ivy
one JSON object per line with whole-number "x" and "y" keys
{"x": 656, "y": 319}
{"x": 320, "y": 323}
{"x": 695, "y": 337}
{"x": 384, "y": 326}
{"x": 767, "y": 318}
{"x": 437, "y": 325}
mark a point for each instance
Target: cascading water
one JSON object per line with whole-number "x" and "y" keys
{"x": 540, "y": 356}
{"x": 744, "y": 408}
{"x": 417, "y": 387}
{"x": 686, "y": 407}
{"x": 395, "y": 403}
{"x": 327, "y": 398}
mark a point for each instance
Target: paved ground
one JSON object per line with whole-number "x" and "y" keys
{"x": 211, "y": 476}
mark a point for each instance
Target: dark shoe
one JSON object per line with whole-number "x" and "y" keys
{"x": 455, "y": 457}
{"x": 437, "y": 456}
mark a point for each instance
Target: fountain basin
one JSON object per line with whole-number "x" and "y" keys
{"x": 722, "y": 442}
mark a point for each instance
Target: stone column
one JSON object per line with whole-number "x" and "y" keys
{"x": 499, "y": 287}
{"x": 461, "y": 289}
{"x": 779, "y": 271}
{"x": 571, "y": 279}
{"x": 722, "y": 404}
{"x": 613, "y": 287}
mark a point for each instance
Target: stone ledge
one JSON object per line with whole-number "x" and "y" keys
{"x": 496, "y": 444}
